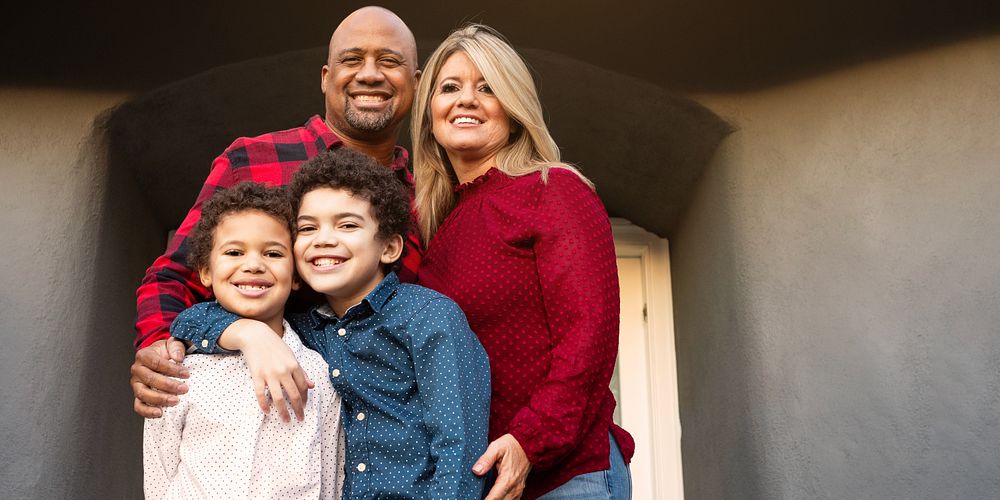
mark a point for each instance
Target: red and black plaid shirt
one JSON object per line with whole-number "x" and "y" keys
{"x": 170, "y": 285}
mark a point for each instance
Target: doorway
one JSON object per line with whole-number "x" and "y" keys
{"x": 645, "y": 379}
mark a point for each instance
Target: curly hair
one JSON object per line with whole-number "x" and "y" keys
{"x": 364, "y": 178}
{"x": 243, "y": 197}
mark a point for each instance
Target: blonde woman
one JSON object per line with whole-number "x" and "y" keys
{"x": 523, "y": 244}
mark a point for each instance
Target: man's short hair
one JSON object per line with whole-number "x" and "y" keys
{"x": 363, "y": 177}
{"x": 243, "y": 197}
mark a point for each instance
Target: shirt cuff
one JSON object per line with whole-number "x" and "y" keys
{"x": 531, "y": 442}
{"x": 193, "y": 349}
{"x": 202, "y": 325}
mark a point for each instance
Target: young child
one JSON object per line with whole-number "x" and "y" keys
{"x": 413, "y": 377}
{"x": 217, "y": 443}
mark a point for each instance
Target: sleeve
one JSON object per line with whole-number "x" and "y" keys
{"x": 575, "y": 260}
{"x": 161, "y": 446}
{"x": 202, "y": 324}
{"x": 170, "y": 285}
{"x": 333, "y": 454}
{"x": 453, "y": 380}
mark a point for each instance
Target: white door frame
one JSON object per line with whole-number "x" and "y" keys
{"x": 661, "y": 362}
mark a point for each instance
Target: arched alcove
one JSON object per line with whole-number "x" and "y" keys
{"x": 642, "y": 145}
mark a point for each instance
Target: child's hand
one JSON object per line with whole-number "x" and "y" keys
{"x": 272, "y": 366}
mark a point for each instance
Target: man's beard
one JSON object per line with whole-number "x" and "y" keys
{"x": 368, "y": 121}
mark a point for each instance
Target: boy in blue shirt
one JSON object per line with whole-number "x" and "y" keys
{"x": 413, "y": 377}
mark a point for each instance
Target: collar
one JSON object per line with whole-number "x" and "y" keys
{"x": 489, "y": 177}
{"x": 375, "y": 300}
{"x": 400, "y": 156}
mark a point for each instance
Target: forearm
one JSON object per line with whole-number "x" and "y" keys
{"x": 202, "y": 325}
{"x": 456, "y": 449}
{"x": 168, "y": 288}
{"x": 558, "y": 414}
{"x": 564, "y": 404}
{"x": 273, "y": 367}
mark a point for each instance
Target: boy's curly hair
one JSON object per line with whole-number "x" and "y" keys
{"x": 363, "y": 177}
{"x": 245, "y": 196}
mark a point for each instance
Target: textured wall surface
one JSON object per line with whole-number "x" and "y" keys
{"x": 76, "y": 237}
{"x": 837, "y": 283}
{"x": 835, "y": 279}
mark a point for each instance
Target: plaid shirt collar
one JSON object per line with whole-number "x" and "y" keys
{"x": 400, "y": 159}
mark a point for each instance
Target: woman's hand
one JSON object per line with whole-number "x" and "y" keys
{"x": 273, "y": 367}
{"x": 512, "y": 468}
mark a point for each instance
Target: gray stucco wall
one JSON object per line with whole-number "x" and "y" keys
{"x": 837, "y": 287}
{"x": 76, "y": 237}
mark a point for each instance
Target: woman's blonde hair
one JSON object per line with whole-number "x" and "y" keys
{"x": 530, "y": 148}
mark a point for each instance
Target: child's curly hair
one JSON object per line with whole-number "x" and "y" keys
{"x": 363, "y": 177}
{"x": 245, "y": 196}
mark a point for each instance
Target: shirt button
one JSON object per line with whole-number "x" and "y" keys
{"x": 335, "y": 373}
{"x": 362, "y": 467}
{"x": 342, "y": 332}
{"x": 204, "y": 343}
{"x": 361, "y": 415}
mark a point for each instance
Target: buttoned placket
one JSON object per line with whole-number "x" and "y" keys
{"x": 335, "y": 334}
{"x": 339, "y": 330}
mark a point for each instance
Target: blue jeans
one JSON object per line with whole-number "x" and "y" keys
{"x": 612, "y": 484}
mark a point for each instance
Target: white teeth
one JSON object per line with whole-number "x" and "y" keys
{"x": 326, "y": 261}
{"x": 466, "y": 119}
{"x": 369, "y": 98}
{"x": 251, "y": 287}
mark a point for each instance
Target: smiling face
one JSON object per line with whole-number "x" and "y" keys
{"x": 250, "y": 268}
{"x": 370, "y": 76}
{"x": 337, "y": 249}
{"x": 467, "y": 119}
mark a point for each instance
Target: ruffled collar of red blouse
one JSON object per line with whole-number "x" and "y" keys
{"x": 488, "y": 177}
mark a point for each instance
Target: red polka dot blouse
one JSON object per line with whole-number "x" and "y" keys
{"x": 532, "y": 264}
